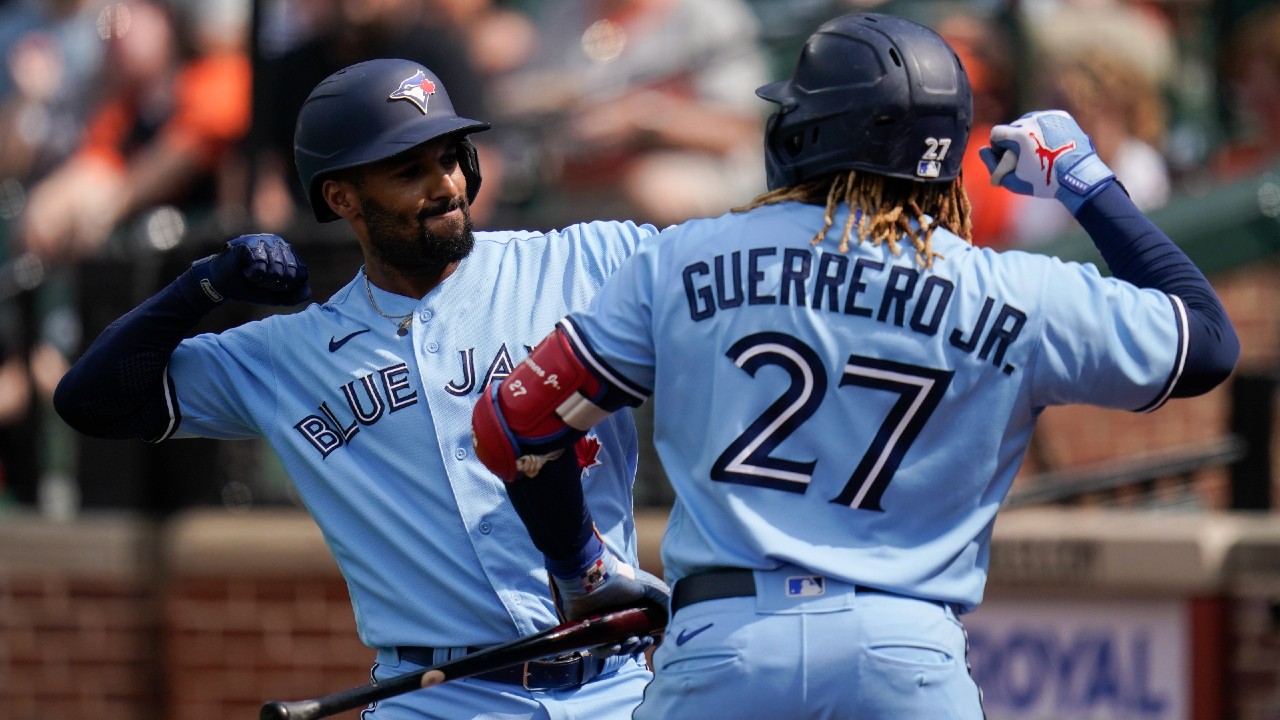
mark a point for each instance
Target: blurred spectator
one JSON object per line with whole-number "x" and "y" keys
{"x": 1105, "y": 62}
{"x": 1135, "y": 32}
{"x": 136, "y": 114}
{"x": 328, "y": 35}
{"x": 1252, "y": 71}
{"x": 16, "y": 462}
{"x": 51, "y": 56}
{"x": 499, "y": 39}
{"x": 15, "y": 391}
{"x": 640, "y": 109}
{"x": 1124, "y": 115}
{"x": 216, "y": 26}
{"x": 987, "y": 55}
{"x": 170, "y": 115}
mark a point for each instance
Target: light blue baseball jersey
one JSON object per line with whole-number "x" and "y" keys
{"x": 375, "y": 431}
{"x": 853, "y": 413}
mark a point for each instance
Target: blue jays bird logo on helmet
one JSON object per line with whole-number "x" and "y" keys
{"x": 356, "y": 97}
{"x": 417, "y": 90}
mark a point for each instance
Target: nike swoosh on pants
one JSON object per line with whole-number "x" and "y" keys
{"x": 687, "y": 635}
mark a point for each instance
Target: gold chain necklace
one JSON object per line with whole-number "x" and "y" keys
{"x": 402, "y": 321}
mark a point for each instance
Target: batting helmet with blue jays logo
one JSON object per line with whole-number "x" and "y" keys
{"x": 870, "y": 92}
{"x": 371, "y": 111}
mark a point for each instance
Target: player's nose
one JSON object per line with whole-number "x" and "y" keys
{"x": 444, "y": 185}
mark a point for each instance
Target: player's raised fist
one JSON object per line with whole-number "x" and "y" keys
{"x": 1045, "y": 154}
{"x": 260, "y": 269}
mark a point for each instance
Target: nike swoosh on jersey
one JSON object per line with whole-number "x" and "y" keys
{"x": 335, "y": 344}
{"x": 687, "y": 635}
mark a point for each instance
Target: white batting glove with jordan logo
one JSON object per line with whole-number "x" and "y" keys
{"x": 1045, "y": 154}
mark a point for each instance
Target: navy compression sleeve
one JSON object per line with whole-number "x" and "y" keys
{"x": 553, "y": 508}
{"x": 117, "y": 388}
{"x": 1140, "y": 253}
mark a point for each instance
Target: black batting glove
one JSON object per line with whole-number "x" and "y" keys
{"x": 260, "y": 269}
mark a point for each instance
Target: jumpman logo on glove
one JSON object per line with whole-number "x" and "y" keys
{"x": 1049, "y": 156}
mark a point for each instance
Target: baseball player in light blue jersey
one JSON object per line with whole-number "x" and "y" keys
{"x": 367, "y": 398}
{"x": 844, "y": 387}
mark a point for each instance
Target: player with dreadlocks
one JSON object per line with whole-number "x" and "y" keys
{"x": 841, "y": 415}
{"x": 892, "y": 208}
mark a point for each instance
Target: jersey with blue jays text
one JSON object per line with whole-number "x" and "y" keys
{"x": 856, "y": 414}
{"x": 374, "y": 429}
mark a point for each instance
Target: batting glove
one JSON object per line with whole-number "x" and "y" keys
{"x": 1045, "y": 154}
{"x": 596, "y": 581}
{"x": 260, "y": 269}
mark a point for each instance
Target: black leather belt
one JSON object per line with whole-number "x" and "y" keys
{"x": 716, "y": 584}
{"x": 566, "y": 671}
{"x": 712, "y": 585}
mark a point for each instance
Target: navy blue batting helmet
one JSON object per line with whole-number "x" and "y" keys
{"x": 870, "y": 92}
{"x": 371, "y": 111}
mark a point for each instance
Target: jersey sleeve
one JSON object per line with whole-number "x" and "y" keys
{"x": 1106, "y": 342}
{"x": 615, "y": 333}
{"x": 222, "y": 385}
{"x": 602, "y": 246}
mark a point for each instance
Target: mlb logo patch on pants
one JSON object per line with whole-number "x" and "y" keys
{"x": 806, "y": 586}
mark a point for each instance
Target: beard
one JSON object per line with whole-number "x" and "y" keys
{"x": 403, "y": 241}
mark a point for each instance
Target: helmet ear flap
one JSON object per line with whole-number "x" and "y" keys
{"x": 371, "y": 111}
{"x": 793, "y": 143}
{"x": 779, "y": 170}
{"x": 469, "y": 160}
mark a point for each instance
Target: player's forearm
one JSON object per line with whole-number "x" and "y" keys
{"x": 554, "y": 511}
{"x": 1137, "y": 251}
{"x": 116, "y": 388}
{"x": 585, "y": 576}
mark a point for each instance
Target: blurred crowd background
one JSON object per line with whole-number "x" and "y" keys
{"x": 137, "y": 136}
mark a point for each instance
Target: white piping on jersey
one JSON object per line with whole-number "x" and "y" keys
{"x": 596, "y": 365}
{"x": 169, "y": 404}
{"x": 1180, "y": 363}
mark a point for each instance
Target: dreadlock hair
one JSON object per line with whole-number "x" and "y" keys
{"x": 888, "y": 206}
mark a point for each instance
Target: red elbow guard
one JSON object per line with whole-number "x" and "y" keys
{"x": 544, "y": 405}
{"x": 495, "y": 446}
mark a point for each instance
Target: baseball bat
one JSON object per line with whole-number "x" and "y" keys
{"x": 604, "y": 629}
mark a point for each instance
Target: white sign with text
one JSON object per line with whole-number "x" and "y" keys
{"x": 1111, "y": 659}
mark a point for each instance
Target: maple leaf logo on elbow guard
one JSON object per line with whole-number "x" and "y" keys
{"x": 588, "y": 451}
{"x": 1048, "y": 156}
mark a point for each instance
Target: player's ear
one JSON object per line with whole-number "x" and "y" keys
{"x": 341, "y": 197}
